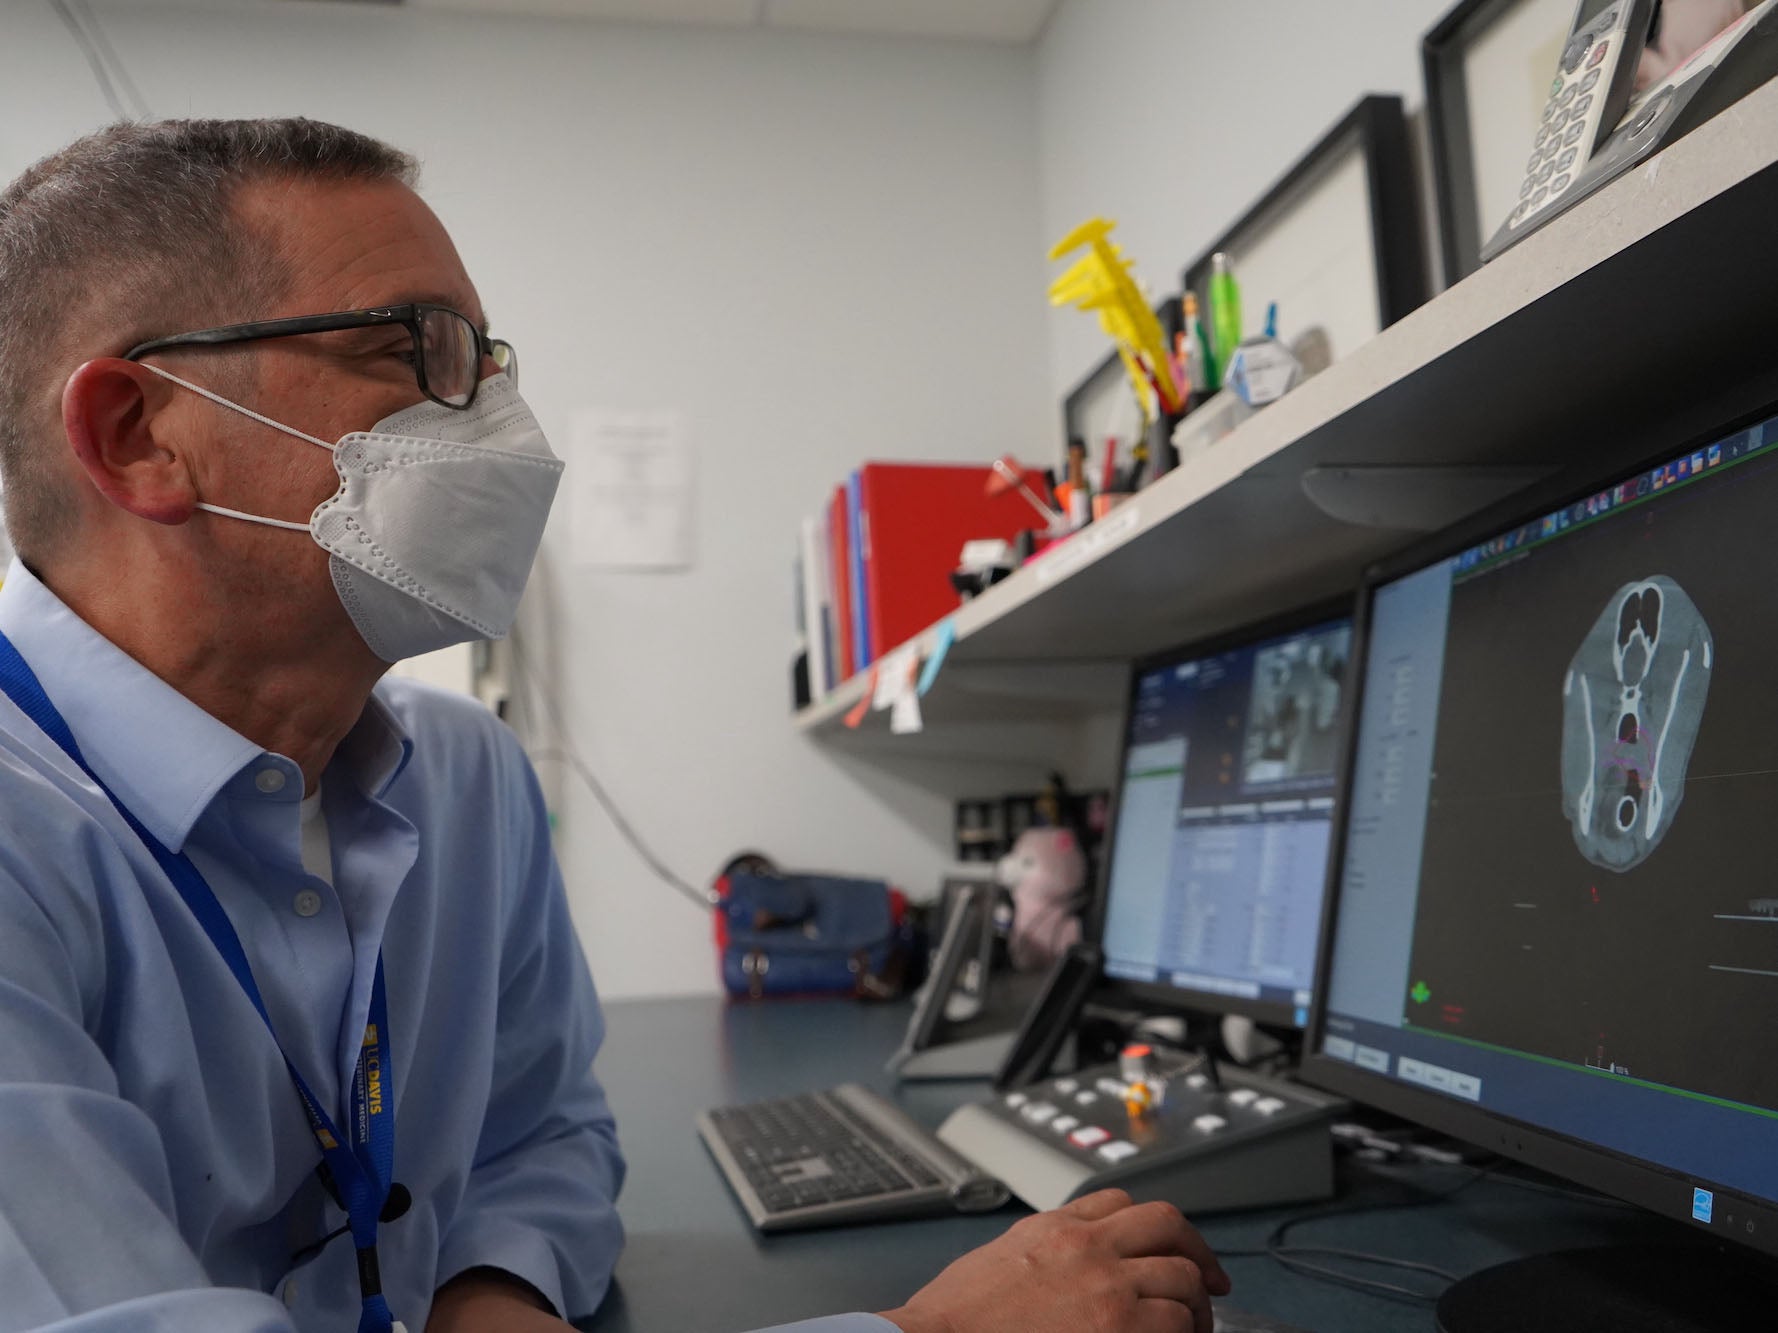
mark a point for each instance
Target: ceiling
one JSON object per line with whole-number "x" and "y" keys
{"x": 1010, "y": 21}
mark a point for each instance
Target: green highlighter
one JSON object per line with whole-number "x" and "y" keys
{"x": 1225, "y": 309}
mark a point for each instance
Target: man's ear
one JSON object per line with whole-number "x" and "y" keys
{"x": 109, "y": 408}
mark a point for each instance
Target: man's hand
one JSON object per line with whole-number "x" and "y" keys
{"x": 484, "y": 1300}
{"x": 1098, "y": 1265}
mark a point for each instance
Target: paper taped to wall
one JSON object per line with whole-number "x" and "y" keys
{"x": 634, "y": 493}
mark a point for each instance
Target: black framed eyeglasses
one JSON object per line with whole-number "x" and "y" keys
{"x": 448, "y": 348}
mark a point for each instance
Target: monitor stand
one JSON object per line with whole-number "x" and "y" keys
{"x": 1615, "y": 1289}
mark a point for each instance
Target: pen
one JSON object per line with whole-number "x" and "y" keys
{"x": 1138, "y": 465}
{"x": 1206, "y": 374}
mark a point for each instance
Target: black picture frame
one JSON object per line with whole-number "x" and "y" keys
{"x": 1452, "y": 152}
{"x": 1377, "y": 125}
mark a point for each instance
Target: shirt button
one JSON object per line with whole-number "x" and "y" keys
{"x": 270, "y": 781}
{"x": 308, "y": 902}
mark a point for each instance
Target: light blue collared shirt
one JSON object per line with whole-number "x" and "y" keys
{"x": 156, "y": 1168}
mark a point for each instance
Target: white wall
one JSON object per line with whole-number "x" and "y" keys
{"x": 821, "y": 249}
{"x": 1175, "y": 116}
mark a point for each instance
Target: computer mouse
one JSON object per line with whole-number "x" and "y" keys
{"x": 1632, "y": 702}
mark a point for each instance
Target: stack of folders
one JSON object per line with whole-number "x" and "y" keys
{"x": 874, "y": 568}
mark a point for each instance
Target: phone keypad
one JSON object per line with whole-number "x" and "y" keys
{"x": 1554, "y": 157}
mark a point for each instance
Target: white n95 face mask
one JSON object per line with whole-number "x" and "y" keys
{"x": 437, "y": 520}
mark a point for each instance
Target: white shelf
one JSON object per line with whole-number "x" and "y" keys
{"x": 1641, "y": 317}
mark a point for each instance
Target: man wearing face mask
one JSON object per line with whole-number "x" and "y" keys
{"x": 259, "y": 906}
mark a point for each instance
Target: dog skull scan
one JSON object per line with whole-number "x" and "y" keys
{"x": 1632, "y": 702}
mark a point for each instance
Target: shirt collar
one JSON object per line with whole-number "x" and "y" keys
{"x": 164, "y": 757}
{"x": 376, "y": 749}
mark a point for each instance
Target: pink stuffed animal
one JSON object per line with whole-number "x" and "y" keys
{"x": 1046, "y": 872}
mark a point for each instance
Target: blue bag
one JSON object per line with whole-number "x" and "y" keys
{"x": 786, "y": 934}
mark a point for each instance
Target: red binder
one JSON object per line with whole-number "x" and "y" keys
{"x": 916, "y": 518}
{"x": 840, "y": 548}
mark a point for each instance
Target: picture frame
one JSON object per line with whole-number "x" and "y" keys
{"x": 1337, "y": 240}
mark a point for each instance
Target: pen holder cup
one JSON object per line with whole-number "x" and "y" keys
{"x": 1162, "y": 457}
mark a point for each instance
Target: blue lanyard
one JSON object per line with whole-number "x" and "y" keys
{"x": 360, "y": 1160}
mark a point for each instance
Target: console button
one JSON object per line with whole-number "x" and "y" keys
{"x": 1117, "y": 1150}
{"x": 1063, "y": 1123}
{"x": 1269, "y": 1105}
{"x": 1039, "y": 1112}
{"x": 1243, "y": 1097}
{"x": 1088, "y": 1136}
{"x": 1209, "y": 1124}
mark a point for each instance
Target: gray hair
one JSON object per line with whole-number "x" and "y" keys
{"x": 133, "y": 229}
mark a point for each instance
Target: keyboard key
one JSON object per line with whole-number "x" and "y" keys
{"x": 1063, "y": 1123}
{"x": 1117, "y": 1150}
{"x": 1243, "y": 1097}
{"x": 1016, "y": 1099}
{"x": 1085, "y": 1098}
{"x": 1269, "y": 1105}
{"x": 1089, "y": 1136}
{"x": 1039, "y": 1112}
{"x": 1209, "y": 1124}
{"x": 1065, "y": 1086}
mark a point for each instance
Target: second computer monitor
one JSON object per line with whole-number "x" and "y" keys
{"x": 1218, "y": 851}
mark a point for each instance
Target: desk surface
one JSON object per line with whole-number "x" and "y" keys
{"x": 694, "y": 1265}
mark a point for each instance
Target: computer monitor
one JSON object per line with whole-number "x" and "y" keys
{"x": 1553, "y": 926}
{"x": 1218, "y": 847}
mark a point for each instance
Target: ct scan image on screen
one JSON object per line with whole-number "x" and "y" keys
{"x": 1219, "y": 848}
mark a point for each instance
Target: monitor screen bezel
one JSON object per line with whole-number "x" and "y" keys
{"x": 1156, "y": 995}
{"x": 1635, "y": 1180}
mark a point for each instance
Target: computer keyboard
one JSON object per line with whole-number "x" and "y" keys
{"x": 838, "y": 1156}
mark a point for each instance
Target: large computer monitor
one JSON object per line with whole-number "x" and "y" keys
{"x": 1553, "y": 927}
{"x": 1218, "y": 848}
